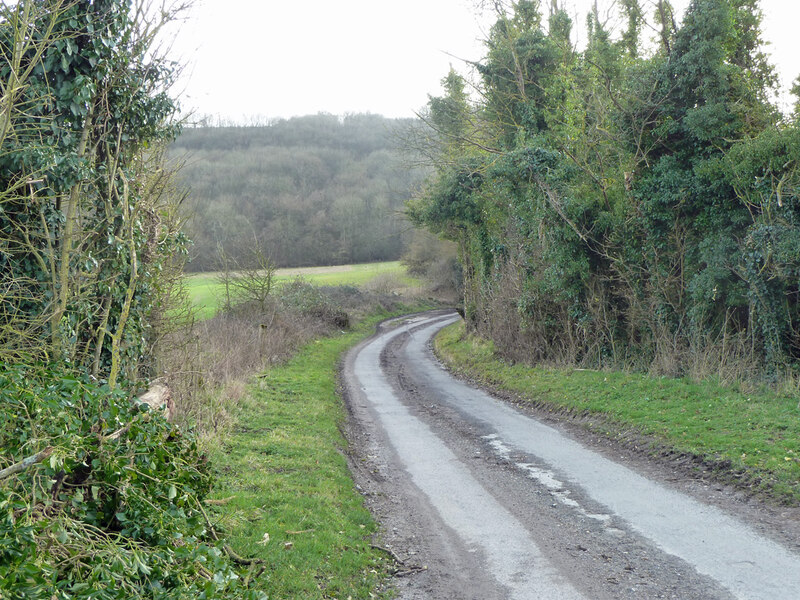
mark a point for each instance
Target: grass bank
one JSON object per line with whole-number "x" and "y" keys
{"x": 285, "y": 492}
{"x": 205, "y": 292}
{"x": 750, "y": 439}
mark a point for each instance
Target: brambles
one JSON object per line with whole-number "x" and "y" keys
{"x": 305, "y": 299}
{"x": 102, "y": 498}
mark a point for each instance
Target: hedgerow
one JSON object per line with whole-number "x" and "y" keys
{"x": 624, "y": 204}
{"x": 99, "y": 498}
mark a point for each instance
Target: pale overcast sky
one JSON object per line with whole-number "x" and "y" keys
{"x": 283, "y": 58}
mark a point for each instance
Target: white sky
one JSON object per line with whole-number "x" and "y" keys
{"x": 283, "y": 58}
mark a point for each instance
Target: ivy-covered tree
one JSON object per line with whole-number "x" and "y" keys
{"x": 712, "y": 93}
{"x": 86, "y": 213}
{"x": 99, "y": 497}
{"x": 619, "y": 206}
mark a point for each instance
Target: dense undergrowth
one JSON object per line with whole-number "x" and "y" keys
{"x": 623, "y": 204}
{"x": 747, "y": 437}
{"x": 98, "y": 498}
{"x": 115, "y": 500}
{"x": 114, "y": 509}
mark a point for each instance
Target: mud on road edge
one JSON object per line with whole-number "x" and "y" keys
{"x": 398, "y": 534}
{"x": 708, "y": 479}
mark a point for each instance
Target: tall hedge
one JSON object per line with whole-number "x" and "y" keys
{"x": 615, "y": 206}
{"x": 99, "y": 498}
{"x": 86, "y": 207}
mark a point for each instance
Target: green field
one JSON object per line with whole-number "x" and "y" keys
{"x": 749, "y": 437}
{"x": 205, "y": 292}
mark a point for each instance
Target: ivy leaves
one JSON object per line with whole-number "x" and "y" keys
{"x": 115, "y": 511}
{"x": 87, "y": 129}
{"x": 635, "y": 204}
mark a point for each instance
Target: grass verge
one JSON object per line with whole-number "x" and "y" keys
{"x": 282, "y": 473}
{"x": 749, "y": 439}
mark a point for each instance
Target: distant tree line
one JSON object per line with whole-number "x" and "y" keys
{"x": 623, "y": 204}
{"x": 315, "y": 190}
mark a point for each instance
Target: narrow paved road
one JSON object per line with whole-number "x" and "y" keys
{"x": 497, "y": 504}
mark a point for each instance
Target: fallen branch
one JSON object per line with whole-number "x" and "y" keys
{"x": 410, "y": 571}
{"x": 239, "y": 560}
{"x": 158, "y": 398}
{"x": 250, "y": 572}
{"x": 218, "y": 502}
{"x": 399, "y": 572}
{"x": 228, "y": 550}
{"x": 117, "y": 434}
{"x": 28, "y": 462}
{"x": 390, "y": 552}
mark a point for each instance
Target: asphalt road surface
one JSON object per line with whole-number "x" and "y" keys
{"x": 483, "y": 500}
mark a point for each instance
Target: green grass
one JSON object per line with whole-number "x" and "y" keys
{"x": 285, "y": 475}
{"x": 205, "y": 292}
{"x": 756, "y": 436}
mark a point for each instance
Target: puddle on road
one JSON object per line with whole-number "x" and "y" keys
{"x": 545, "y": 477}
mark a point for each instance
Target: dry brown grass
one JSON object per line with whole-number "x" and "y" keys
{"x": 208, "y": 364}
{"x": 385, "y": 283}
{"x": 542, "y": 333}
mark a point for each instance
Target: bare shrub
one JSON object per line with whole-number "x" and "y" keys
{"x": 248, "y": 280}
{"x": 384, "y": 283}
{"x": 357, "y": 302}
{"x": 306, "y": 300}
{"x": 727, "y": 356}
{"x": 424, "y": 249}
{"x": 669, "y": 349}
{"x": 524, "y": 326}
{"x": 436, "y": 261}
{"x": 445, "y": 278}
{"x": 246, "y": 339}
{"x": 207, "y": 364}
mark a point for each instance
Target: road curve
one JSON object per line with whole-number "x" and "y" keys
{"x": 497, "y": 504}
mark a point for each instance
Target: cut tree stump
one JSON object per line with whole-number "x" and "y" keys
{"x": 158, "y": 397}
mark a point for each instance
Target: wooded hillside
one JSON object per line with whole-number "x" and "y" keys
{"x": 621, "y": 205}
{"x": 315, "y": 190}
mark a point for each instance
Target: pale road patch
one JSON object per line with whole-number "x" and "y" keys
{"x": 463, "y": 504}
{"x": 546, "y": 477}
{"x": 714, "y": 543}
{"x": 288, "y": 272}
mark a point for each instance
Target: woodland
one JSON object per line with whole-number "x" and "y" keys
{"x": 630, "y": 204}
{"x": 314, "y": 190}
